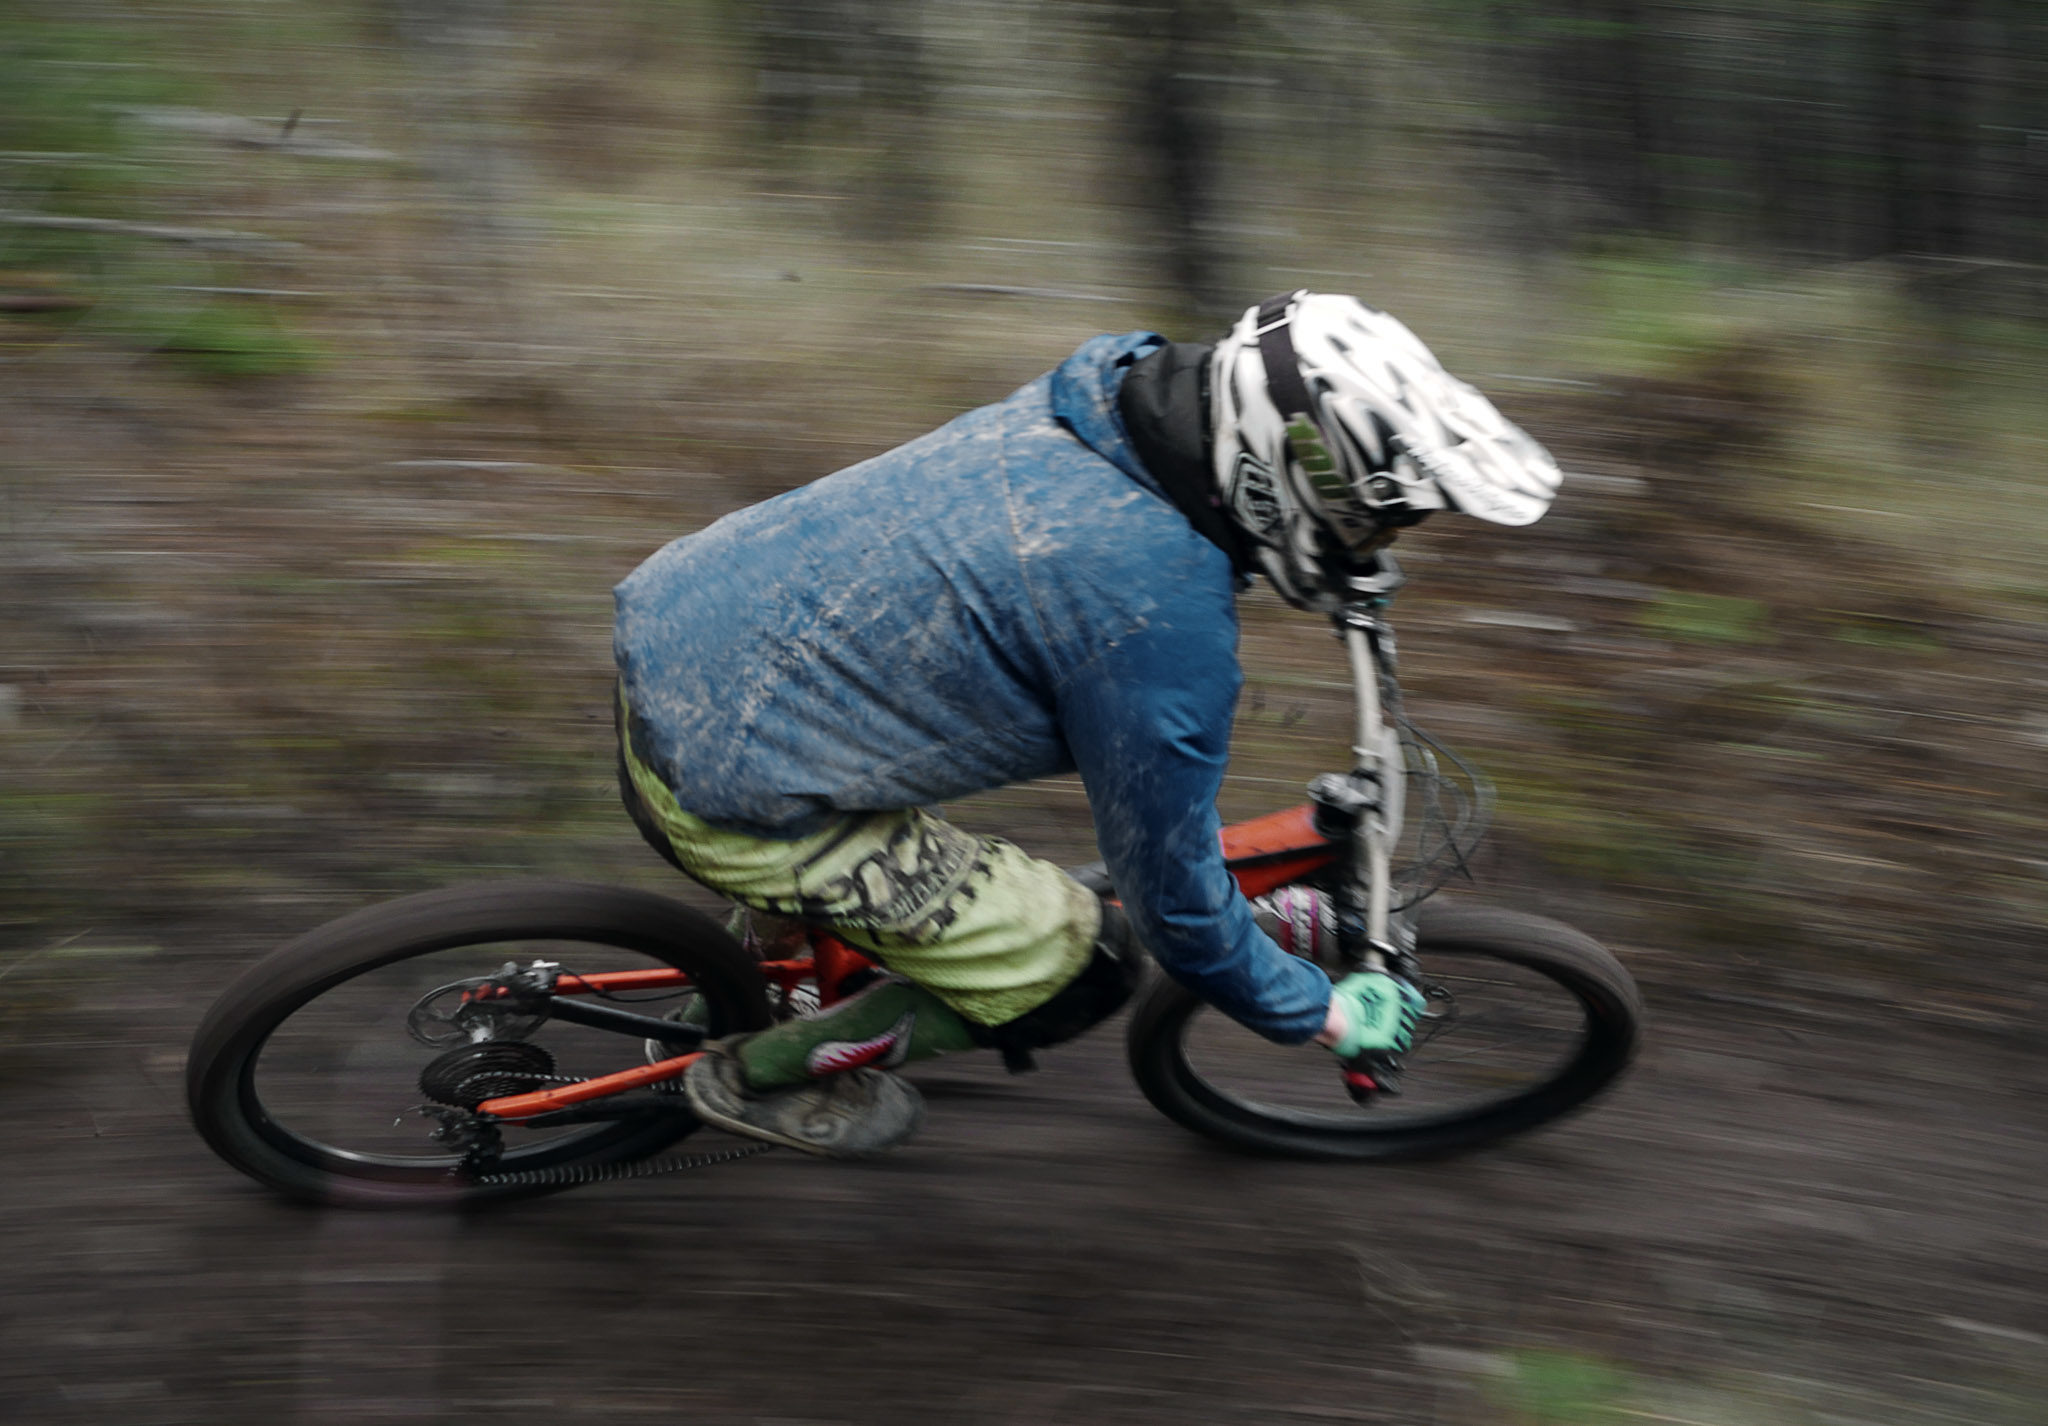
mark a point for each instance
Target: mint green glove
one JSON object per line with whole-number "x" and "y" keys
{"x": 1379, "y": 1014}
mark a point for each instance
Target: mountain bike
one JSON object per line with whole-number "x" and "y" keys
{"x": 502, "y": 1039}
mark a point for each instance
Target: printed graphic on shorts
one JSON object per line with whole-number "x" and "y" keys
{"x": 904, "y": 886}
{"x": 886, "y": 1050}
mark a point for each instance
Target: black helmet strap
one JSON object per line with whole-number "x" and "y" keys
{"x": 1284, "y": 385}
{"x": 1289, "y": 394}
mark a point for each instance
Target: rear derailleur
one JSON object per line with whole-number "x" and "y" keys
{"x": 477, "y": 1139}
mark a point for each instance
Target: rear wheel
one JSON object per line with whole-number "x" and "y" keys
{"x": 1529, "y": 1020}
{"x": 305, "y": 1075}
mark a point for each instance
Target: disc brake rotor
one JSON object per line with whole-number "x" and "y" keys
{"x": 447, "y": 1016}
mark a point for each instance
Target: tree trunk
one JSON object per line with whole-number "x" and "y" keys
{"x": 1173, "y": 134}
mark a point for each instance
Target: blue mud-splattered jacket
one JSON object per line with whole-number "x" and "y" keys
{"x": 1009, "y": 597}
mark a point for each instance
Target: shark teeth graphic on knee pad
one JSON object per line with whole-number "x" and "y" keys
{"x": 886, "y": 1050}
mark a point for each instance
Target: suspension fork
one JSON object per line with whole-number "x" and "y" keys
{"x": 1371, "y": 858}
{"x": 1366, "y": 806}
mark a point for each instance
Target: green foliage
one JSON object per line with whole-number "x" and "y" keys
{"x": 1578, "y": 828}
{"x": 1566, "y": 1389}
{"x": 1658, "y": 308}
{"x": 69, "y": 148}
{"x": 223, "y": 339}
{"x": 1893, "y": 638}
{"x": 1707, "y": 618}
{"x": 62, "y": 92}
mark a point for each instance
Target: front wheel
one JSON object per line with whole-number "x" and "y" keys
{"x": 1529, "y": 1019}
{"x": 306, "y": 1074}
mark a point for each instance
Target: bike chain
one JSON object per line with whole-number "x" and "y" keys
{"x": 569, "y": 1175}
{"x": 575, "y": 1175}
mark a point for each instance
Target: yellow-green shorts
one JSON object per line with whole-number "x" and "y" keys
{"x": 992, "y": 932}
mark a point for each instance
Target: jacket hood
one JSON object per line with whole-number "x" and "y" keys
{"x": 1084, "y": 389}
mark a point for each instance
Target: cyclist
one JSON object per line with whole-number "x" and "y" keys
{"x": 1042, "y": 585}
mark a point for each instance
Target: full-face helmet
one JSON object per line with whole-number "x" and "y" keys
{"x": 1334, "y": 427}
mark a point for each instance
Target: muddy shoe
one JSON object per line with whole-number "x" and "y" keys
{"x": 886, "y": 1023}
{"x": 843, "y": 1116}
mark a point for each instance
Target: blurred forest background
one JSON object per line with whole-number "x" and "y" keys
{"x": 350, "y": 351}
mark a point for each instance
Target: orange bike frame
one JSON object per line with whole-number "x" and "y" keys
{"x": 1265, "y": 853}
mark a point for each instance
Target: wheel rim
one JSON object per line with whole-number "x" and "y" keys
{"x": 1514, "y": 1033}
{"x": 333, "y": 1083}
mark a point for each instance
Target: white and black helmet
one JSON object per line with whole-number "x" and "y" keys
{"x": 1335, "y": 426}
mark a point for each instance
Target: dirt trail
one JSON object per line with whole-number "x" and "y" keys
{"x": 1787, "y": 1207}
